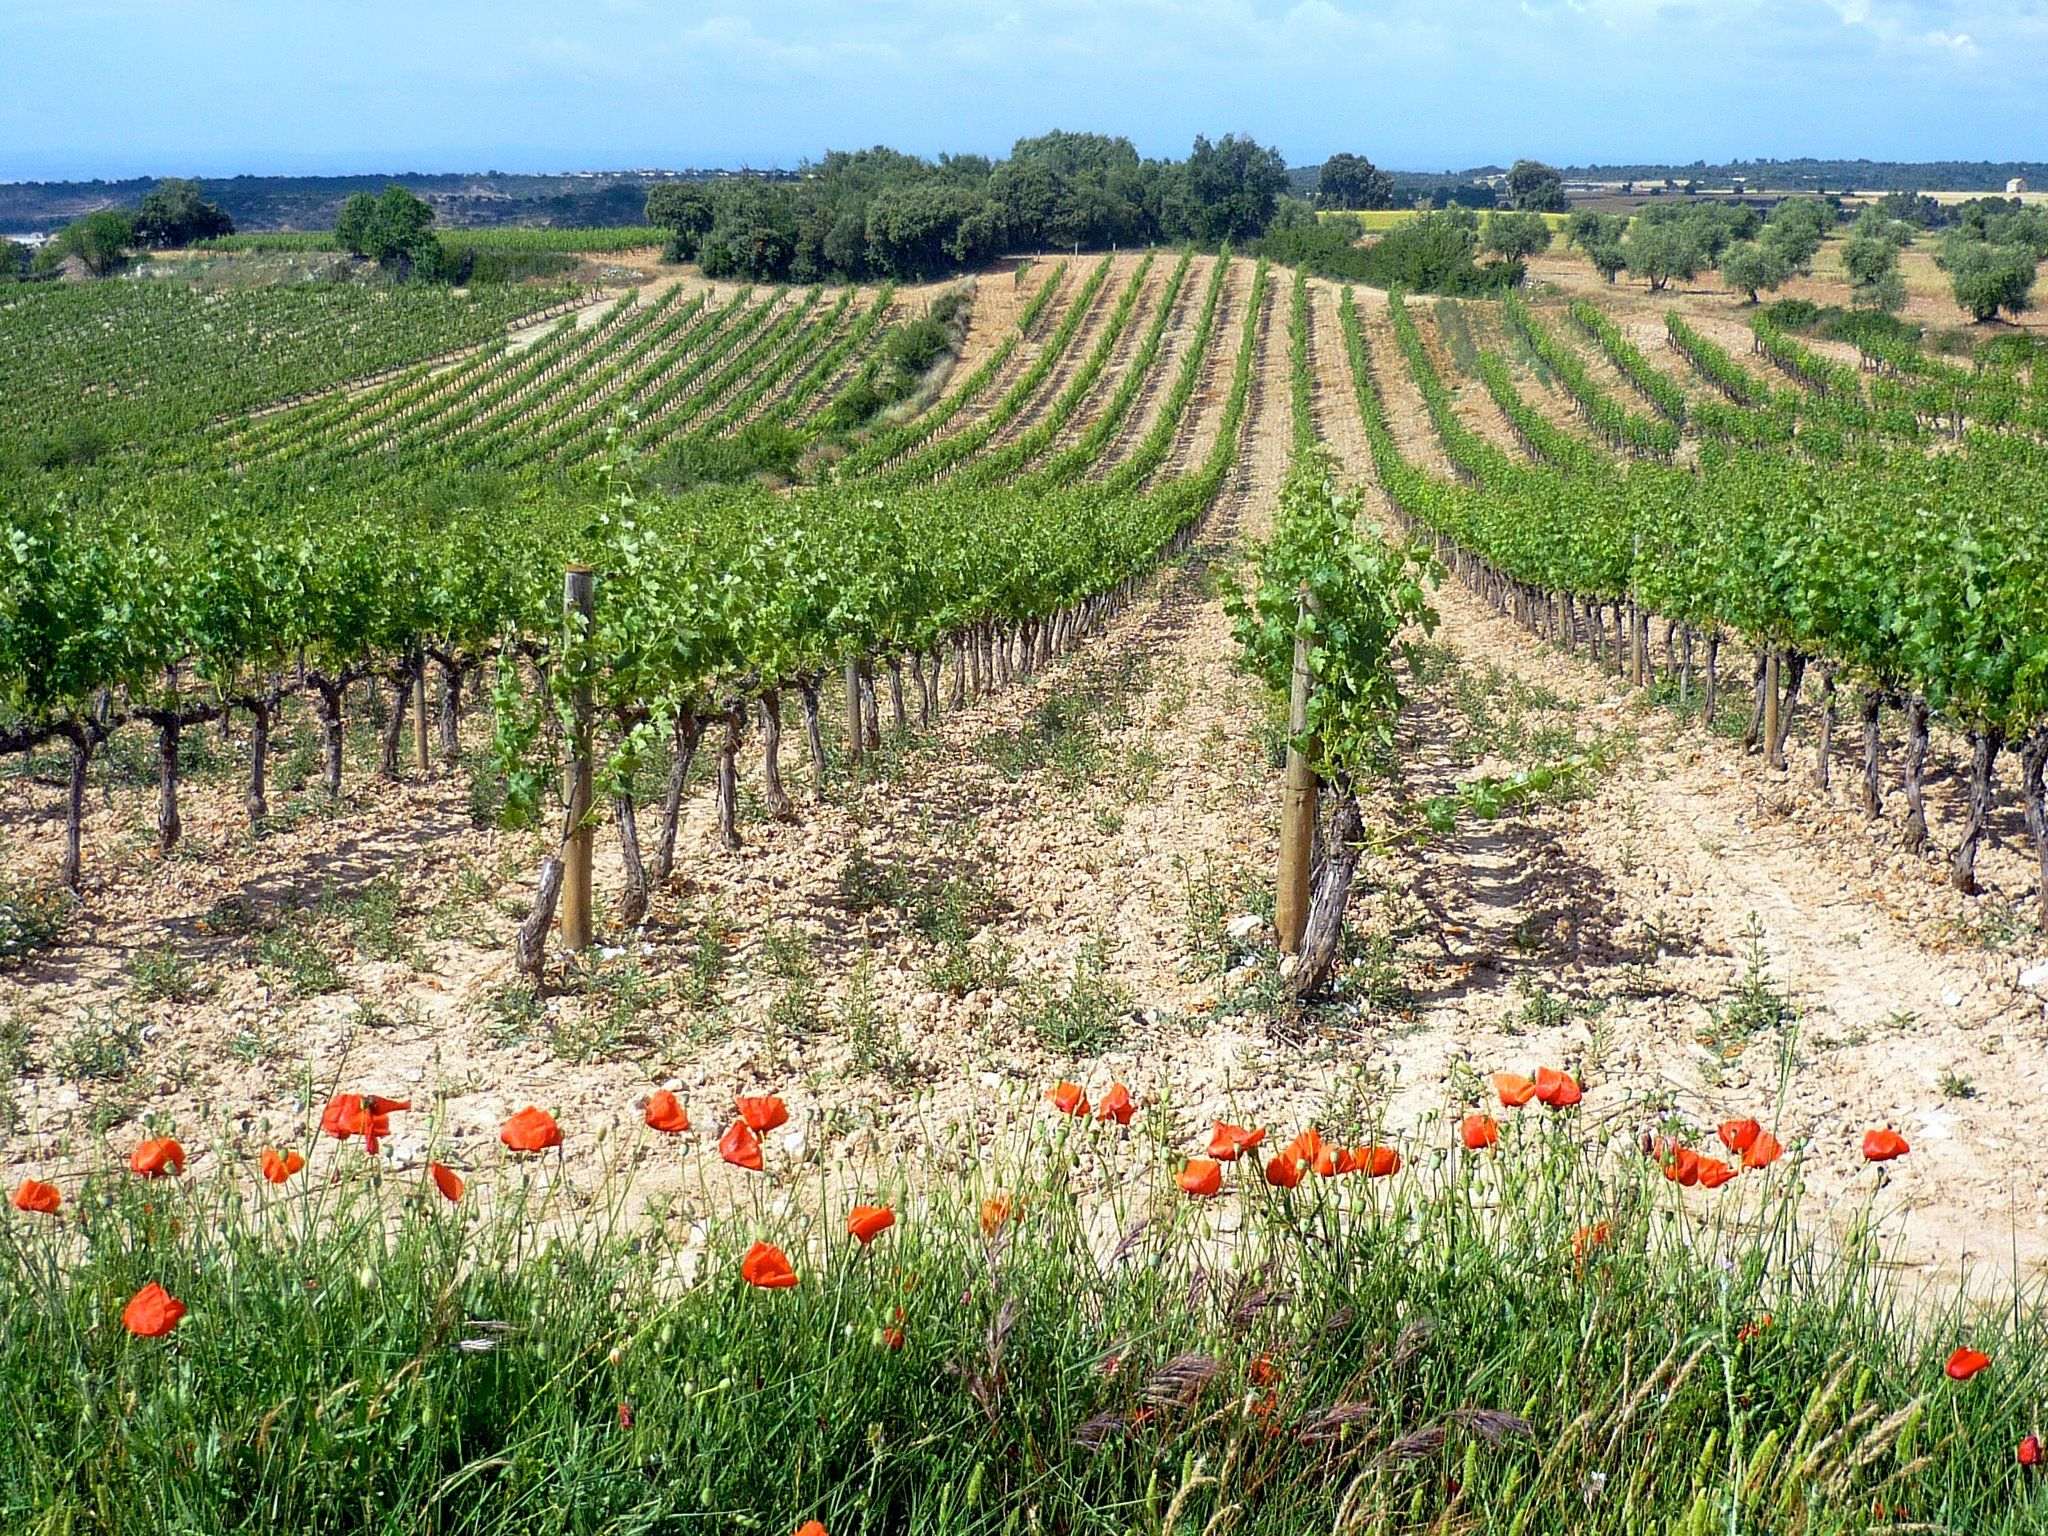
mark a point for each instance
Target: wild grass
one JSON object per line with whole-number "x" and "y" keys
{"x": 1451, "y": 1349}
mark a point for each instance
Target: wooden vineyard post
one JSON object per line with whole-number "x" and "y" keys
{"x": 579, "y": 595}
{"x": 1771, "y": 707}
{"x": 421, "y": 752}
{"x": 854, "y": 728}
{"x": 1298, "y": 803}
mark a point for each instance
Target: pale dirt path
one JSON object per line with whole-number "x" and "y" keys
{"x": 1639, "y": 898}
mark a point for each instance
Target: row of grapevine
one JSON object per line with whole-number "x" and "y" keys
{"x": 148, "y": 361}
{"x": 891, "y": 443}
{"x": 1007, "y": 459}
{"x": 1105, "y": 425}
{"x": 712, "y": 605}
{"x": 1915, "y": 580}
{"x": 1619, "y": 428}
{"x": 941, "y": 453}
{"x": 1649, "y": 381}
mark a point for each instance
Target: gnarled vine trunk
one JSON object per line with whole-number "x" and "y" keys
{"x": 1873, "y": 752}
{"x": 1984, "y": 746}
{"x": 1916, "y": 768}
{"x": 729, "y": 777}
{"x": 1330, "y": 898}
{"x": 773, "y": 793}
{"x": 689, "y": 730}
{"x": 814, "y": 734}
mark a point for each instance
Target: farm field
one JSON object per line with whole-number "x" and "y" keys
{"x": 934, "y": 794}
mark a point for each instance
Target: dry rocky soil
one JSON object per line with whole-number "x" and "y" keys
{"x": 1068, "y": 880}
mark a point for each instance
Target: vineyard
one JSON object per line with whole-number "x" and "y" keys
{"x": 1154, "y": 667}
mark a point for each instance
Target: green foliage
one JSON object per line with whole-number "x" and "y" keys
{"x": 1796, "y": 229}
{"x": 174, "y": 214}
{"x": 1352, "y": 181}
{"x": 1989, "y": 278}
{"x": 32, "y": 918}
{"x": 1534, "y": 187}
{"x": 1515, "y": 236}
{"x": 1433, "y": 253}
{"x": 1657, "y": 253}
{"x": 686, "y": 211}
{"x": 1754, "y": 268}
{"x": 393, "y": 229}
{"x": 1359, "y": 601}
{"x": 1872, "y": 264}
{"x": 102, "y": 241}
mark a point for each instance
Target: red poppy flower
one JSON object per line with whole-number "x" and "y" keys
{"x": 1117, "y": 1105}
{"x": 892, "y": 1339}
{"x": 811, "y": 1528}
{"x": 1883, "y": 1146}
{"x": 665, "y": 1113}
{"x": 763, "y": 1114}
{"x": 35, "y": 1196}
{"x": 446, "y": 1180}
{"x": 996, "y": 1210}
{"x": 1714, "y": 1173}
{"x": 767, "y": 1266}
{"x": 279, "y": 1166}
{"x": 625, "y": 1415}
{"x": 1306, "y": 1147}
{"x": 1586, "y": 1239}
{"x": 1202, "y": 1177}
{"x": 1478, "y": 1131}
{"x": 1226, "y": 1141}
{"x": 1755, "y": 1330}
{"x": 157, "y": 1156}
{"x": 1514, "y": 1089}
{"x": 1681, "y": 1165}
{"x": 741, "y": 1147}
{"x": 1965, "y": 1363}
{"x": 1331, "y": 1161}
{"x": 1738, "y": 1136}
{"x": 1560, "y": 1090}
{"x": 531, "y": 1130}
{"x": 152, "y": 1312}
{"x": 1282, "y": 1171}
{"x": 1376, "y": 1162}
{"x": 2029, "y": 1452}
{"x": 868, "y": 1222}
{"x": 1068, "y": 1098}
{"x": 1762, "y": 1152}
{"x": 360, "y": 1114}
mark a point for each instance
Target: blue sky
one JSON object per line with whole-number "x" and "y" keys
{"x": 215, "y": 87}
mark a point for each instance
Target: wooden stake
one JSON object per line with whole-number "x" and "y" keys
{"x": 1298, "y": 803}
{"x": 854, "y": 732}
{"x": 421, "y": 752}
{"x": 1771, "y": 707}
{"x": 579, "y": 605}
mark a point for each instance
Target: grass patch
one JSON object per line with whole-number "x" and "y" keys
{"x": 1537, "y": 1340}
{"x": 1084, "y": 1015}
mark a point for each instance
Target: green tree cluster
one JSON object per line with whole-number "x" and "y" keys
{"x": 102, "y": 241}
{"x": 878, "y": 213}
{"x": 1987, "y": 278}
{"x": 393, "y": 229}
{"x": 1534, "y": 187}
{"x": 173, "y": 214}
{"x": 1353, "y": 182}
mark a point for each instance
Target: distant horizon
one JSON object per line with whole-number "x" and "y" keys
{"x": 224, "y": 87}
{"x": 680, "y": 167}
